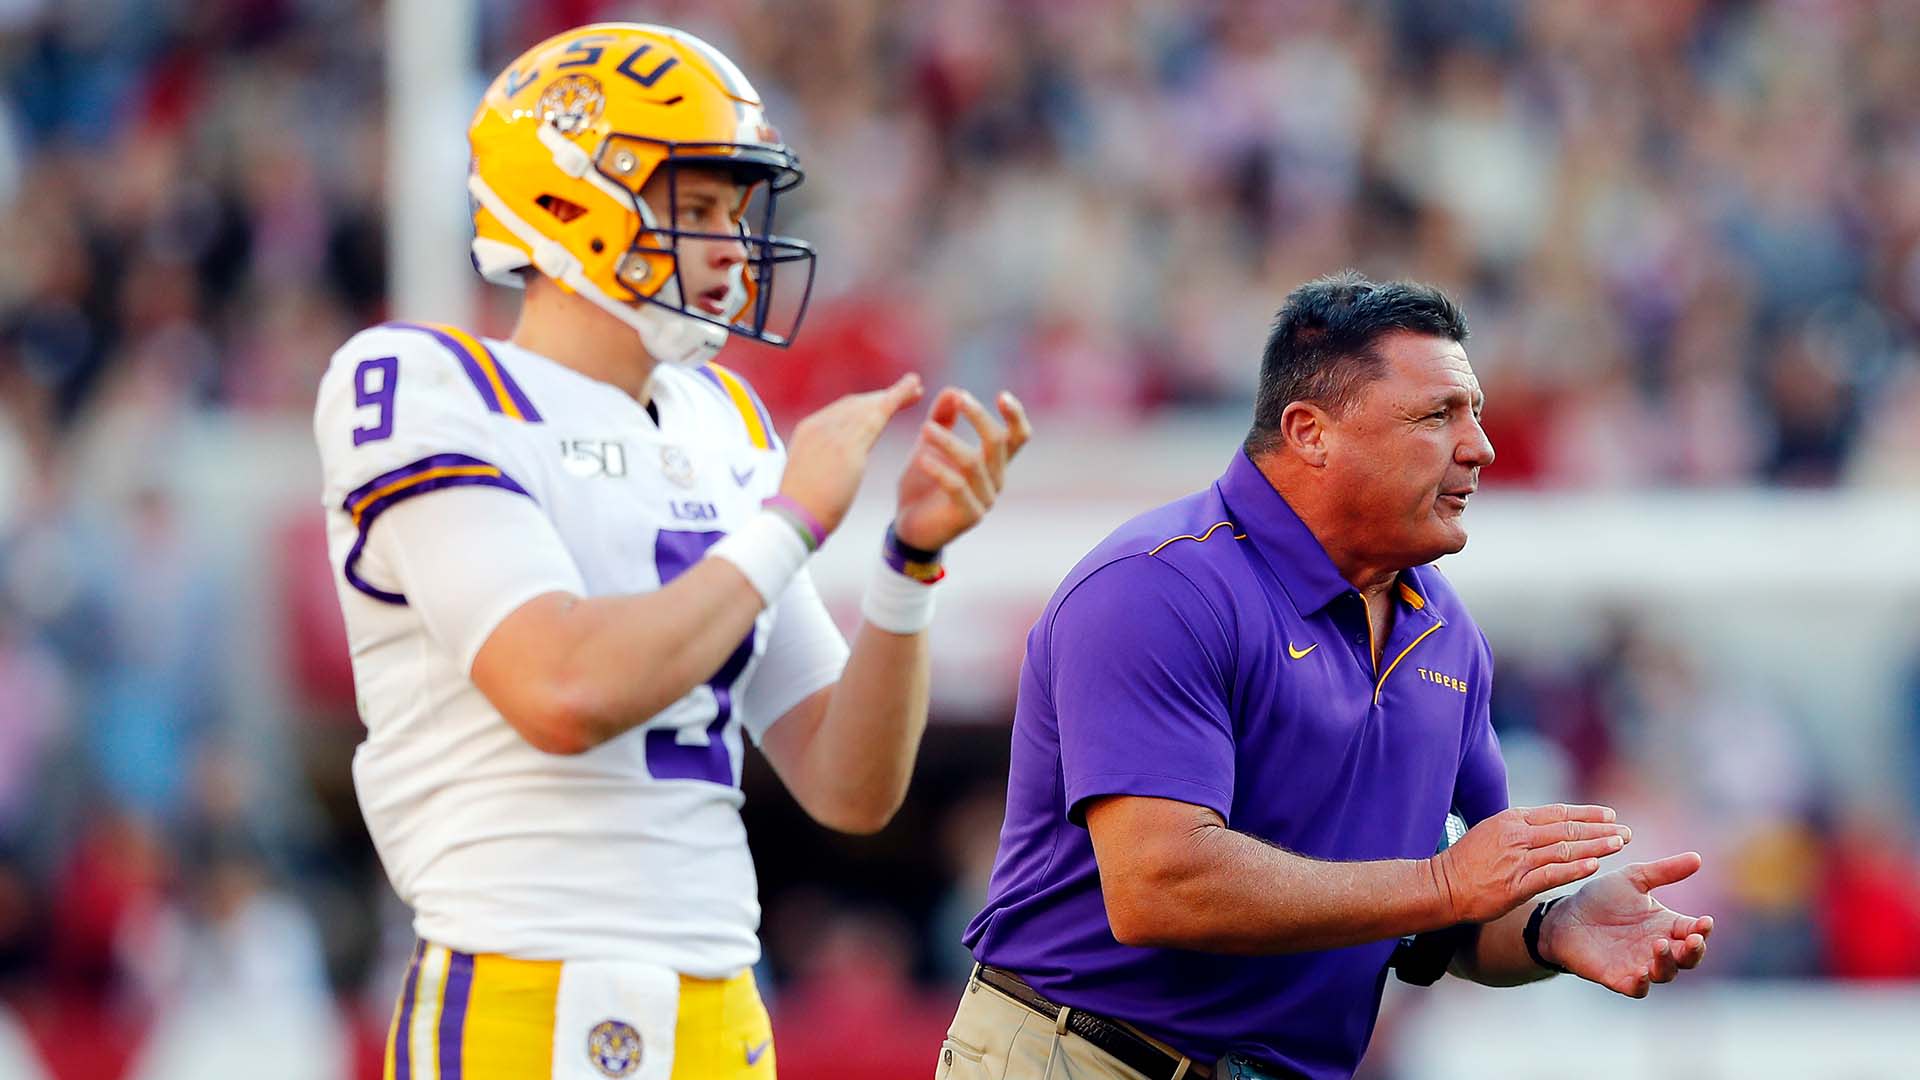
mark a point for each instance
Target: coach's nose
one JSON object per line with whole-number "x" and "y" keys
{"x": 1475, "y": 449}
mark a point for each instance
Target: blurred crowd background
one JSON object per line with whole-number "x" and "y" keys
{"x": 1687, "y": 235}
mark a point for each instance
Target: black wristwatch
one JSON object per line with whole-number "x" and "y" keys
{"x": 1531, "y": 936}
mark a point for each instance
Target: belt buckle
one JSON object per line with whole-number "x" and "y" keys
{"x": 1235, "y": 1066}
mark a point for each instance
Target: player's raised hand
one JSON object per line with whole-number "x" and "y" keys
{"x": 950, "y": 483}
{"x": 1520, "y": 853}
{"x": 827, "y": 454}
{"x": 1615, "y": 933}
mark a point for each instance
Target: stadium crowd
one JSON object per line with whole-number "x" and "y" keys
{"x": 1687, "y": 235}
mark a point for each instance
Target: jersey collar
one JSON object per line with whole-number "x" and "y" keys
{"x": 1283, "y": 540}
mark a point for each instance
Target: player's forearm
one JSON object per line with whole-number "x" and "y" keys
{"x": 861, "y": 757}
{"x": 570, "y": 672}
{"x": 1499, "y": 955}
{"x": 1228, "y": 892}
{"x": 638, "y": 654}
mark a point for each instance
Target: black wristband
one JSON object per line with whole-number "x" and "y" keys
{"x": 911, "y": 553}
{"x": 919, "y": 564}
{"x": 1531, "y": 936}
{"x": 1421, "y": 959}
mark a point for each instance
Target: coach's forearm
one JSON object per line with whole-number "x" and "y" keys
{"x": 1217, "y": 890}
{"x": 1243, "y": 896}
{"x": 1499, "y": 954}
{"x": 571, "y": 672}
{"x": 860, "y": 758}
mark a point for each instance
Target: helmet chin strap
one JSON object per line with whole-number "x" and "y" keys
{"x": 736, "y": 292}
{"x": 668, "y": 336}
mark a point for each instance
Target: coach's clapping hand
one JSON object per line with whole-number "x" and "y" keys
{"x": 1517, "y": 854}
{"x": 1615, "y": 933}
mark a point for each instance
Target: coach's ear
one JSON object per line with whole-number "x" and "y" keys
{"x": 1303, "y": 430}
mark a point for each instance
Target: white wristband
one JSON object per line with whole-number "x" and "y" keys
{"x": 767, "y": 550}
{"x": 895, "y": 602}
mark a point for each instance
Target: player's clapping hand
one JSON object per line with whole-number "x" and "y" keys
{"x": 1615, "y": 933}
{"x": 827, "y": 454}
{"x": 1517, "y": 854}
{"x": 949, "y": 483}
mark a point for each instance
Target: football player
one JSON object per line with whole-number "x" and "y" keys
{"x": 572, "y": 565}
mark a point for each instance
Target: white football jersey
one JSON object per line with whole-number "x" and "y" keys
{"x": 633, "y": 850}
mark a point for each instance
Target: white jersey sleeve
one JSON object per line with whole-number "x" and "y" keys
{"x": 404, "y": 410}
{"x": 805, "y": 654}
{"x": 462, "y": 589}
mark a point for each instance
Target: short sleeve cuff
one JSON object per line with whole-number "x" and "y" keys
{"x": 803, "y": 686}
{"x": 488, "y": 616}
{"x": 1150, "y": 785}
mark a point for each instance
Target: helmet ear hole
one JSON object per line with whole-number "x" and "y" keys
{"x": 562, "y": 209}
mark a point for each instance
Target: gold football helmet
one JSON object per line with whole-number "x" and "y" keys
{"x": 568, "y": 135}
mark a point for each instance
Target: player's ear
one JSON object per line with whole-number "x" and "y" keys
{"x": 1303, "y": 431}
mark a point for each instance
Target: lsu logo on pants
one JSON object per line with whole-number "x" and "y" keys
{"x": 614, "y": 1047}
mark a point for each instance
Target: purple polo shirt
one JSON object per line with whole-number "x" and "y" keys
{"x": 1209, "y": 652}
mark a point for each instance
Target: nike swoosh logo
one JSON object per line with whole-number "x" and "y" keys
{"x": 1300, "y": 654}
{"x": 755, "y": 1053}
{"x": 741, "y": 478}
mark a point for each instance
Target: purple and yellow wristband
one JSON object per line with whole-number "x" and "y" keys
{"x": 906, "y": 560}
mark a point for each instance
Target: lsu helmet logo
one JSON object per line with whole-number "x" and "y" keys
{"x": 614, "y": 1048}
{"x": 572, "y": 104}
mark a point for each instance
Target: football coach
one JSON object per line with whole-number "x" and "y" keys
{"x": 1244, "y": 721}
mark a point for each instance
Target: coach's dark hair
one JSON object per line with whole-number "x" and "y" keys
{"x": 1321, "y": 348}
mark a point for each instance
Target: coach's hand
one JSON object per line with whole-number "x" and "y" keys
{"x": 949, "y": 483}
{"x": 827, "y": 454}
{"x": 1615, "y": 933}
{"x": 1518, "y": 854}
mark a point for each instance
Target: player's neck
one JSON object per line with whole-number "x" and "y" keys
{"x": 569, "y": 330}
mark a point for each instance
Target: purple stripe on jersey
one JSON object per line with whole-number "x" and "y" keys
{"x": 519, "y": 396}
{"x": 402, "y": 1044}
{"x": 717, "y": 384}
{"x": 378, "y": 506}
{"x": 414, "y": 468}
{"x": 467, "y": 362}
{"x": 453, "y": 1014}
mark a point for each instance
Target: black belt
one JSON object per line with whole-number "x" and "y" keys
{"x": 1115, "y": 1038}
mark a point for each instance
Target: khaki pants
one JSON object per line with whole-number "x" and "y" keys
{"x": 994, "y": 1037}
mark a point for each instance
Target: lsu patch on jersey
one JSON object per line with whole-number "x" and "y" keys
{"x": 633, "y": 850}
